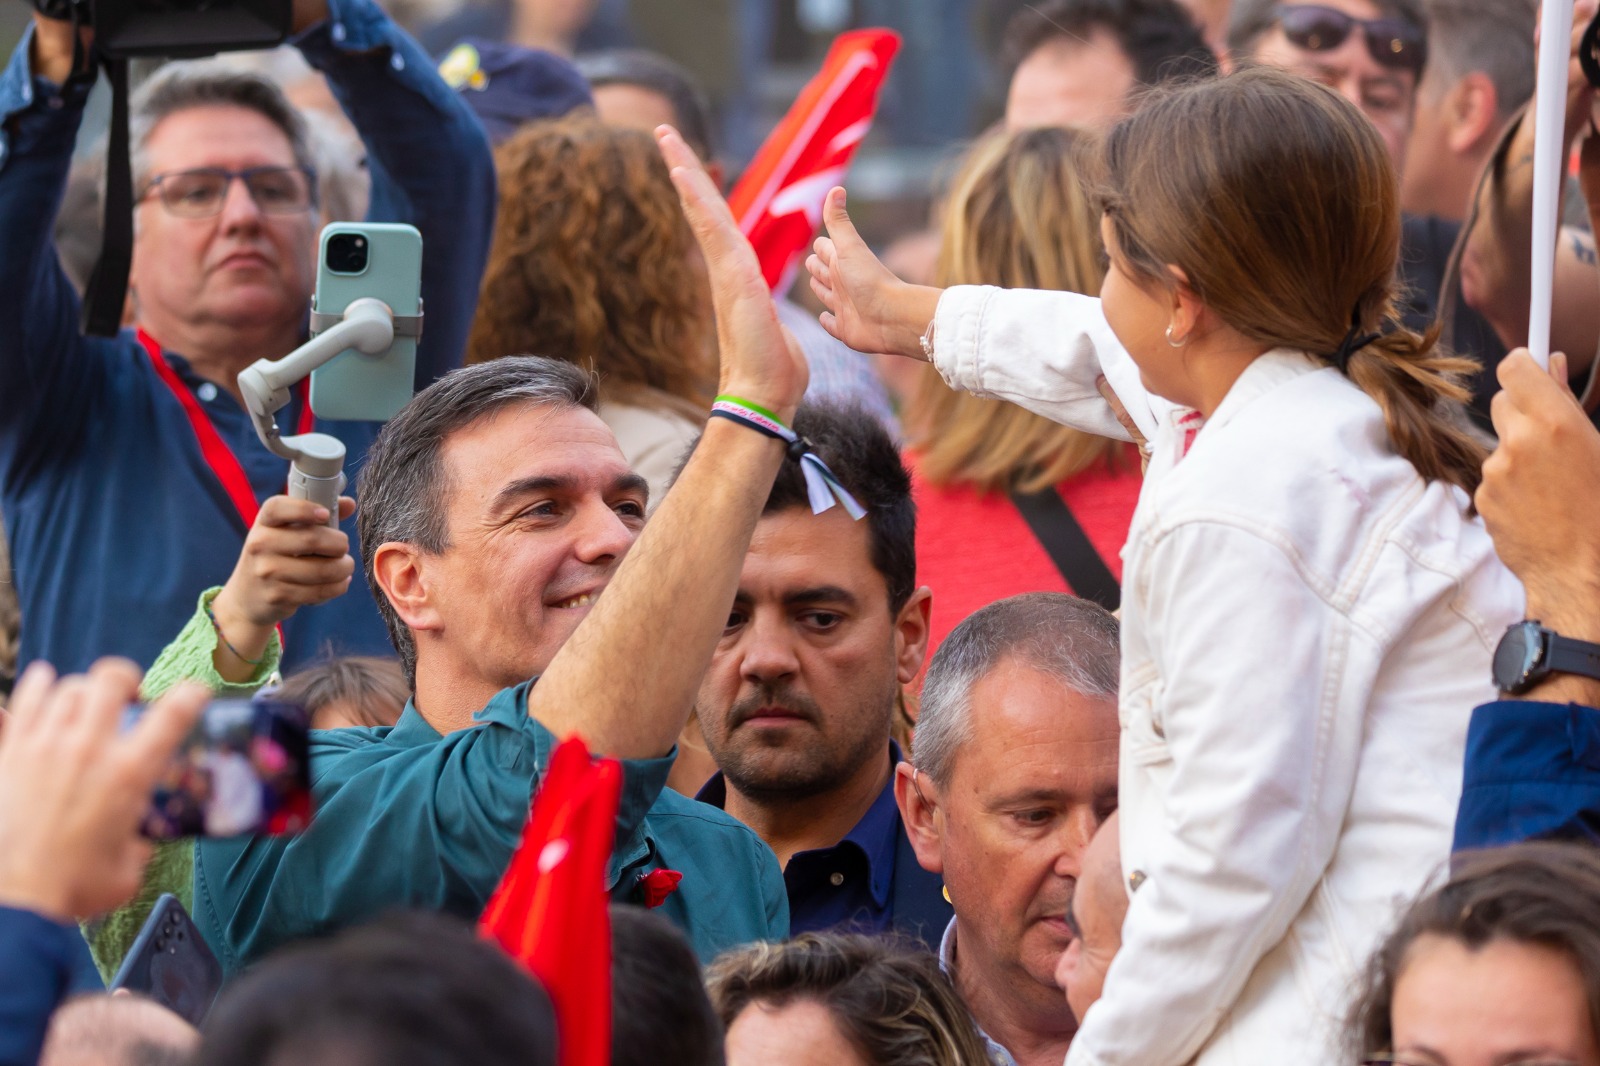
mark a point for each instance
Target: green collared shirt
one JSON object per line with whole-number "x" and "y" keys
{"x": 406, "y": 817}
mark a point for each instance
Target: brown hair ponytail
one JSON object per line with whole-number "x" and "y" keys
{"x": 1280, "y": 204}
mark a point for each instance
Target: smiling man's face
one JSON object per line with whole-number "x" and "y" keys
{"x": 541, "y": 507}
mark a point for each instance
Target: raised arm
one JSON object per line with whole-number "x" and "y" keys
{"x": 1051, "y": 352}
{"x": 627, "y": 678}
{"x": 1497, "y": 263}
{"x": 1540, "y": 498}
{"x": 428, "y": 156}
{"x": 48, "y": 373}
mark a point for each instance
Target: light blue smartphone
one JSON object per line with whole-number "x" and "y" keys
{"x": 380, "y": 260}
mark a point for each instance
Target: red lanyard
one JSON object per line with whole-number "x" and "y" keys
{"x": 220, "y": 457}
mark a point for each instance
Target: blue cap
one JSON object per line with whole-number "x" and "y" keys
{"x": 507, "y": 85}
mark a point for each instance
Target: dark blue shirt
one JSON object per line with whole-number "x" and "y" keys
{"x": 38, "y": 958}
{"x": 115, "y": 519}
{"x": 853, "y": 883}
{"x": 1532, "y": 772}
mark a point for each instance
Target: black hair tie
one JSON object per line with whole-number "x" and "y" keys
{"x": 1353, "y": 342}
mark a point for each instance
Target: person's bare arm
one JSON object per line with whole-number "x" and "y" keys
{"x": 1540, "y": 498}
{"x": 627, "y": 678}
{"x": 1497, "y": 264}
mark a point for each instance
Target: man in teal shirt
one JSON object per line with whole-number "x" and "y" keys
{"x": 494, "y": 510}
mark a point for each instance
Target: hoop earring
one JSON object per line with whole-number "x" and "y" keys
{"x": 1175, "y": 344}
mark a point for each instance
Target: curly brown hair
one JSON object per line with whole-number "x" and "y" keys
{"x": 593, "y": 262}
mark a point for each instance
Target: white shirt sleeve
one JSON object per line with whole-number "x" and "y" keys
{"x": 1254, "y": 763}
{"x": 1042, "y": 351}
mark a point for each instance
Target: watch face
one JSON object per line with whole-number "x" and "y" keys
{"x": 1518, "y": 656}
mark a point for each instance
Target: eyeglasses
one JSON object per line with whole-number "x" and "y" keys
{"x": 1399, "y": 1060}
{"x": 200, "y": 193}
{"x": 1391, "y": 42}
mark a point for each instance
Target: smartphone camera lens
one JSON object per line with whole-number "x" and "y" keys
{"x": 346, "y": 253}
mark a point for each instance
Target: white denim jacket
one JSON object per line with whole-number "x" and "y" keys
{"x": 1306, "y": 628}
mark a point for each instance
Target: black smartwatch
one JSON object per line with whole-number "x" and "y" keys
{"x": 1529, "y": 653}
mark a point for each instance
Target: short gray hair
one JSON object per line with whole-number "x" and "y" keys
{"x": 208, "y": 83}
{"x": 403, "y": 484}
{"x": 1074, "y": 641}
{"x": 1491, "y": 36}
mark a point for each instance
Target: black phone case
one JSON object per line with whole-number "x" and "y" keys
{"x": 171, "y": 963}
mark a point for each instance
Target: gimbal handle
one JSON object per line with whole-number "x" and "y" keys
{"x": 316, "y": 470}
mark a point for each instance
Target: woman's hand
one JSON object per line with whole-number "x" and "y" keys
{"x": 291, "y": 559}
{"x": 761, "y": 360}
{"x": 868, "y": 308}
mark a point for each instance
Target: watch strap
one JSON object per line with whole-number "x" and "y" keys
{"x": 1569, "y": 656}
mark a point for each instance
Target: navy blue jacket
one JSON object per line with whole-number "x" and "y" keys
{"x": 1532, "y": 772}
{"x": 116, "y": 521}
{"x": 37, "y": 962}
{"x": 869, "y": 882}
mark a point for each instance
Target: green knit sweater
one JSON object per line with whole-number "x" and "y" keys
{"x": 171, "y": 869}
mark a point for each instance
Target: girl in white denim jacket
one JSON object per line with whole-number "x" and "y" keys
{"x": 1309, "y": 605}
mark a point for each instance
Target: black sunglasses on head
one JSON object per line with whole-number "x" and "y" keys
{"x": 1392, "y": 42}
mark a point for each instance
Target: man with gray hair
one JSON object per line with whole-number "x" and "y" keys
{"x": 130, "y": 471}
{"x": 1480, "y": 72}
{"x": 1014, "y": 767}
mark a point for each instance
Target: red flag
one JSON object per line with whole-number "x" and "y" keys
{"x": 778, "y": 201}
{"x": 549, "y": 911}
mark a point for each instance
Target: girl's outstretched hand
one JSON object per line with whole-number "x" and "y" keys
{"x": 868, "y": 308}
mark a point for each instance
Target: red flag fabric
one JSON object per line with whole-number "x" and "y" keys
{"x": 549, "y": 910}
{"x": 778, "y": 201}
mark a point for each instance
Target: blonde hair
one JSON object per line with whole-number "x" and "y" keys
{"x": 1279, "y": 202}
{"x": 1019, "y": 215}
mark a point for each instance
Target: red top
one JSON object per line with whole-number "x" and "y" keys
{"x": 974, "y": 549}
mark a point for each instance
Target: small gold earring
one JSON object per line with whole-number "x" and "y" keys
{"x": 945, "y": 889}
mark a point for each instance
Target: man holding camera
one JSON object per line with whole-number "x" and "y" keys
{"x": 129, "y": 470}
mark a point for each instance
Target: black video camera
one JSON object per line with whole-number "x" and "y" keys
{"x": 175, "y": 28}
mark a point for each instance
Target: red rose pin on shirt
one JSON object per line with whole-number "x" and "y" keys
{"x": 658, "y": 885}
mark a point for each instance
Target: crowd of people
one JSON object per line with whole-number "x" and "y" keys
{"x": 1151, "y": 616}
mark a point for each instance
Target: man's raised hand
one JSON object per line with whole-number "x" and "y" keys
{"x": 761, "y": 360}
{"x": 1540, "y": 496}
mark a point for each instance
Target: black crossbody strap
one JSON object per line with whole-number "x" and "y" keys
{"x": 107, "y": 291}
{"x": 1064, "y": 540}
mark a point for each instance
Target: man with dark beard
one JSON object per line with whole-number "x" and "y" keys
{"x": 797, "y": 706}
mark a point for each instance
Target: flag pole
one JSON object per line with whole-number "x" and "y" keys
{"x": 1549, "y": 170}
